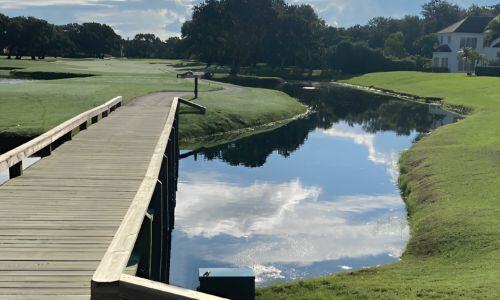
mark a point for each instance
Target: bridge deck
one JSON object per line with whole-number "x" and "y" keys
{"x": 59, "y": 217}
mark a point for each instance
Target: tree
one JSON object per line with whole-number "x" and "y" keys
{"x": 13, "y": 39}
{"x": 299, "y": 36}
{"x": 247, "y": 23}
{"x": 61, "y": 43}
{"x": 144, "y": 46}
{"x": 4, "y": 24}
{"x": 395, "y": 45}
{"x": 205, "y": 35}
{"x": 477, "y": 10}
{"x": 426, "y": 44}
{"x": 94, "y": 39}
{"x": 174, "y": 48}
{"x": 440, "y": 14}
{"x": 412, "y": 28}
{"x": 469, "y": 56}
{"x": 36, "y": 36}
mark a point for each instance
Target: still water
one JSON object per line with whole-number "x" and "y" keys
{"x": 312, "y": 198}
{"x": 13, "y": 81}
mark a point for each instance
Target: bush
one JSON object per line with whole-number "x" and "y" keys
{"x": 488, "y": 71}
{"x": 358, "y": 58}
{"x": 253, "y": 81}
{"x": 47, "y": 75}
{"x": 287, "y": 73}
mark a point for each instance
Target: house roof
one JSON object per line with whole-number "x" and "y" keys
{"x": 443, "y": 48}
{"x": 469, "y": 25}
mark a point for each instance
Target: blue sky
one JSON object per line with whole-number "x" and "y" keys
{"x": 164, "y": 17}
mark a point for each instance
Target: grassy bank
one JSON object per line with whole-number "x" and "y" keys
{"x": 34, "y": 107}
{"x": 452, "y": 182}
{"x": 235, "y": 109}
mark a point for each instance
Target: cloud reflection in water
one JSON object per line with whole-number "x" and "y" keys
{"x": 285, "y": 224}
{"x": 389, "y": 159}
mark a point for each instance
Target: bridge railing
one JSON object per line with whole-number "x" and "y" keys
{"x": 43, "y": 144}
{"x": 138, "y": 258}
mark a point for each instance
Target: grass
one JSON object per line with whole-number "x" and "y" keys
{"x": 452, "y": 183}
{"x": 35, "y": 107}
{"x": 232, "y": 110}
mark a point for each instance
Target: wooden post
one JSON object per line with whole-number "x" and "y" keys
{"x": 144, "y": 245}
{"x": 83, "y": 126}
{"x": 47, "y": 151}
{"x": 165, "y": 259}
{"x": 16, "y": 170}
{"x": 196, "y": 87}
{"x": 157, "y": 234}
{"x": 67, "y": 137}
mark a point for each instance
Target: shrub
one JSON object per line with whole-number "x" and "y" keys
{"x": 488, "y": 71}
{"x": 253, "y": 81}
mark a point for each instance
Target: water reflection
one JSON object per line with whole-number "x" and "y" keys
{"x": 333, "y": 104}
{"x": 13, "y": 80}
{"x": 315, "y": 197}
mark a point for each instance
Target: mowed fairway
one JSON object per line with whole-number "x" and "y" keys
{"x": 452, "y": 179}
{"x": 37, "y": 106}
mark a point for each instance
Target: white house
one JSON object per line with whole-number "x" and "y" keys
{"x": 468, "y": 32}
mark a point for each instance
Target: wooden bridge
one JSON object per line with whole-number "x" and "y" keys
{"x": 94, "y": 217}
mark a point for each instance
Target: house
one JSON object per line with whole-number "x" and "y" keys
{"x": 469, "y": 32}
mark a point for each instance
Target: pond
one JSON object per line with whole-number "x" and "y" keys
{"x": 315, "y": 197}
{"x": 13, "y": 81}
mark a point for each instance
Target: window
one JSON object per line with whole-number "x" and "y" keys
{"x": 442, "y": 40}
{"x": 444, "y": 62}
{"x": 449, "y": 39}
{"x": 435, "y": 63}
{"x": 466, "y": 42}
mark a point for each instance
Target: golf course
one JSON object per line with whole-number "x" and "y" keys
{"x": 450, "y": 179}
{"x": 35, "y": 106}
{"x": 451, "y": 183}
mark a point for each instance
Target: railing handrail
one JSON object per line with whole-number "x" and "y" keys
{"x": 197, "y": 106}
{"x": 33, "y": 146}
{"x": 119, "y": 251}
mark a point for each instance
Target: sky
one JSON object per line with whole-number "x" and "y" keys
{"x": 165, "y": 17}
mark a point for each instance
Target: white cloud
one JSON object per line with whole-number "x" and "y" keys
{"x": 15, "y": 4}
{"x": 128, "y": 23}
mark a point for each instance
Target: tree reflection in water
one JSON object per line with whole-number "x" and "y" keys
{"x": 332, "y": 104}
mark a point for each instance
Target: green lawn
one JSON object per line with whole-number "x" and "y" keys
{"x": 452, "y": 179}
{"x": 34, "y": 107}
{"x": 233, "y": 110}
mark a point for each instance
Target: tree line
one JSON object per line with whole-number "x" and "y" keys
{"x": 247, "y": 32}
{"x": 244, "y": 33}
{"x": 37, "y": 38}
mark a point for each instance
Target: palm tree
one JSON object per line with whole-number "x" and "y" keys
{"x": 469, "y": 55}
{"x": 493, "y": 30}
